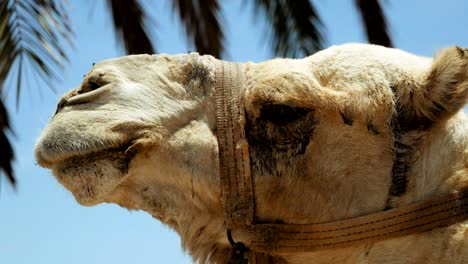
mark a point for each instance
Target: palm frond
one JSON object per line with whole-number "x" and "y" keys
{"x": 375, "y": 22}
{"x": 296, "y": 26}
{"x": 6, "y": 151}
{"x": 201, "y": 21}
{"x": 31, "y": 31}
{"x": 130, "y": 22}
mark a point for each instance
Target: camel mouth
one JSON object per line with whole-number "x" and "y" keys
{"x": 92, "y": 177}
{"x": 47, "y": 155}
{"x": 119, "y": 157}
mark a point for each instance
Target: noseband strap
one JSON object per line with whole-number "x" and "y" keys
{"x": 236, "y": 180}
{"x": 237, "y": 187}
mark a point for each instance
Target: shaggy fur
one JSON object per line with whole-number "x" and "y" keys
{"x": 349, "y": 131}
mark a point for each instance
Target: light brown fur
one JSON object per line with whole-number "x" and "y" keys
{"x": 324, "y": 133}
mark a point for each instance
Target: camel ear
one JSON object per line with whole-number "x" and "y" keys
{"x": 442, "y": 93}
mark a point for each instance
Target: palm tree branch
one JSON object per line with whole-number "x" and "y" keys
{"x": 129, "y": 21}
{"x": 201, "y": 22}
{"x": 30, "y": 31}
{"x": 296, "y": 26}
{"x": 6, "y": 151}
{"x": 375, "y": 22}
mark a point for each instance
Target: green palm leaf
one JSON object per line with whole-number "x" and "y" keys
{"x": 6, "y": 151}
{"x": 374, "y": 21}
{"x": 296, "y": 26}
{"x": 32, "y": 31}
{"x": 130, "y": 22}
{"x": 201, "y": 21}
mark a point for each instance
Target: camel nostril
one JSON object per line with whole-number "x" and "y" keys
{"x": 93, "y": 85}
{"x": 93, "y": 82}
{"x": 89, "y": 86}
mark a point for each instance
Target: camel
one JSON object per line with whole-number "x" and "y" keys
{"x": 352, "y": 130}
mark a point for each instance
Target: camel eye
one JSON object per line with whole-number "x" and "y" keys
{"x": 280, "y": 114}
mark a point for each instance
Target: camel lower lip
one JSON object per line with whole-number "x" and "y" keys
{"x": 91, "y": 178}
{"x": 63, "y": 156}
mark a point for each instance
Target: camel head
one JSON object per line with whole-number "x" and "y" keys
{"x": 349, "y": 131}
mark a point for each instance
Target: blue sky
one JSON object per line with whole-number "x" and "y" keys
{"x": 42, "y": 223}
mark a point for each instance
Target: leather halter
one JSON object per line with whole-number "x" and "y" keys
{"x": 239, "y": 200}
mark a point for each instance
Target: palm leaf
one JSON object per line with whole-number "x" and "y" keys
{"x": 31, "y": 31}
{"x": 130, "y": 23}
{"x": 6, "y": 151}
{"x": 201, "y": 21}
{"x": 375, "y": 22}
{"x": 296, "y": 26}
